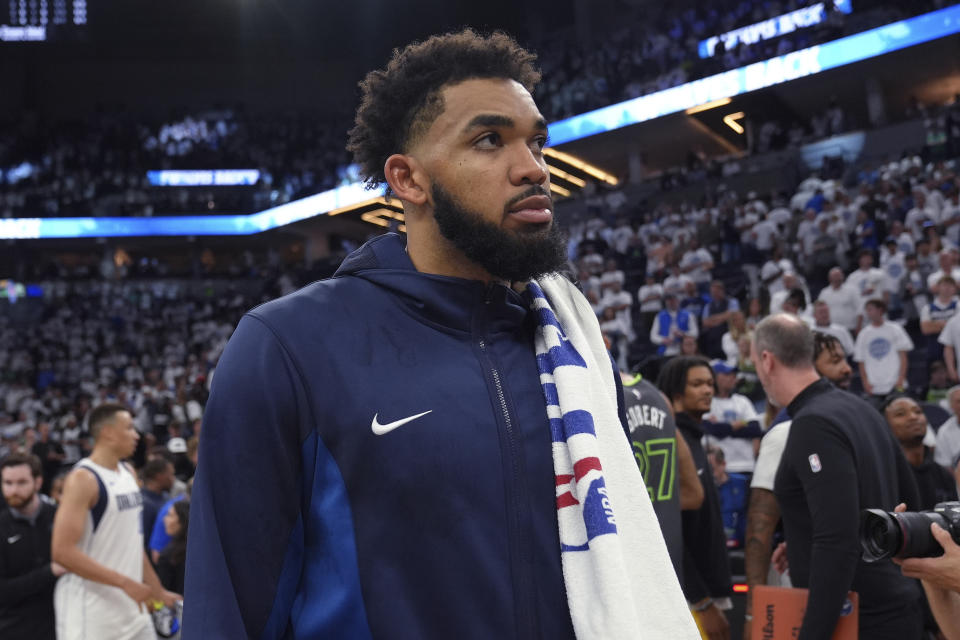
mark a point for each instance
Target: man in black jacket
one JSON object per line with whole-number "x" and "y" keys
{"x": 688, "y": 382}
{"x": 839, "y": 458}
{"x": 27, "y": 576}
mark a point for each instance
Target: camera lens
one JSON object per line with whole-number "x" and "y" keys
{"x": 880, "y": 535}
{"x": 918, "y": 540}
{"x": 902, "y": 535}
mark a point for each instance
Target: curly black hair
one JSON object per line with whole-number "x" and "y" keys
{"x": 401, "y": 101}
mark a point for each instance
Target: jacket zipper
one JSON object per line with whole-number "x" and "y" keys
{"x": 524, "y": 611}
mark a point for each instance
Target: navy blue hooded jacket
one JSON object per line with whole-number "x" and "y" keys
{"x": 305, "y": 524}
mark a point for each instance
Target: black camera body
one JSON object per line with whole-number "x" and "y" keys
{"x": 885, "y": 534}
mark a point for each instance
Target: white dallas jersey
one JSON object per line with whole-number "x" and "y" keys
{"x": 113, "y": 537}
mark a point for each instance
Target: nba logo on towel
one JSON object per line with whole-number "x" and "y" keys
{"x": 815, "y": 465}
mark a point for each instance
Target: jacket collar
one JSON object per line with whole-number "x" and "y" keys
{"x": 454, "y": 303}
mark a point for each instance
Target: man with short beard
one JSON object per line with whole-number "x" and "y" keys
{"x": 909, "y": 426}
{"x": 395, "y": 445}
{"x": 27, "y": 576}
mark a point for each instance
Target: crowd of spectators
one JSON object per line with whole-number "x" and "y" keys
{"x": 98, "y": 166}
{"x": 660, "y": 50}
{"x": 869, "y": 256}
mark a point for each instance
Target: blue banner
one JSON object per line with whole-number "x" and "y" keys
{"x": 797, "y": 64}
{"x": 772, "y": 28}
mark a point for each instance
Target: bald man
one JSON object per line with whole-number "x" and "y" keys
{"x": 840, "y": 457}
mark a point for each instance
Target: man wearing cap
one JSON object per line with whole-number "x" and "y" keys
{"x": 671, "y": 325}
{"x": 732, "y": 424}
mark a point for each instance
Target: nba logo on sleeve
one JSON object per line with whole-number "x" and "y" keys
{"x": 815, "y": 465}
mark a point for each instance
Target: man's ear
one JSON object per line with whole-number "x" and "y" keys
{"x": 766, "y": 361}
{"x": 404, "y": 177}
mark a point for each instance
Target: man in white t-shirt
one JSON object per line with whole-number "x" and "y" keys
{"x": 881, "y": 351}
{"x": 919, "y": 214}
{"x": 732, "y": 417}
{"x": 950, "y": 217}
{"x": 950, "y": 339}
{"x": 822, "y": 324}
{"x": 791, "y": 283}
{"x": 947, "y": 448}
{"x": 807, "y": 231}
{"x": 650, "y": 297}
{"x": 868, "y": 281}
{"x": 611, "y": 273}
{"x": 675, "y": 283}
{"x": 905, "y": 242}
{"x": 935, "y": 315}
{"x": 622, "y": 236}
{"x": 843, "y": 300}
{"x": 764, "y": 234}
{"x": 771, "y": 274}
{"x": 697, "y": 263}
{"x": 892, "y": 264}
{"x": 948, "y": 267}
{"x": 620, "y": 301}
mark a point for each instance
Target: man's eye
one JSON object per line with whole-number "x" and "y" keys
{"x": 488, "y": 141}
{"x": 540, "y": 142}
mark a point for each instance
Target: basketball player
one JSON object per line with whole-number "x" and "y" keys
{"x": 97, "y": 536}
{"x": 665, "y": 460}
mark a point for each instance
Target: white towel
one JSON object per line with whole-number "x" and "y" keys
{"x": 620, "y": 582}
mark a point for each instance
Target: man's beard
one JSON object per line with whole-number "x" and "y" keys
{"x": 16, "y": 502}
{"x": 843, "y": 383}
{"x": 507, "y": 255}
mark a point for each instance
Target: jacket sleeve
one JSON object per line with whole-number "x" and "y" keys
{"x": 823, "y": 460}
{"x": 246, "y": 500}
{"x": 13, "y": 591}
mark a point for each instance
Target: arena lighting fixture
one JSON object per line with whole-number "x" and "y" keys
{"x": 382, "y": 200}
{"x": 559, "y": 190}
{"x": 560, "y": 173}
{"x": 731, "y": 121}
{"x": 741, "y": 588}
{"x": 587, "y": 168}
{"x": 713, "y": 104}
{"x": 377, "y": 217}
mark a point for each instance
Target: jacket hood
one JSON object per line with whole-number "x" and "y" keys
{"x": 444, "y": 300}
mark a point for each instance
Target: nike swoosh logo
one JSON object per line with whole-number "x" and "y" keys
{"x": 381, "y": 429}
{"x": 13, "y": 539}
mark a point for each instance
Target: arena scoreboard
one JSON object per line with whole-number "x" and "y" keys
{"x": 42, "y": 20}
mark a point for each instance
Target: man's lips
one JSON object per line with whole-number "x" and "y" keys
{"x": 535, "y": 209}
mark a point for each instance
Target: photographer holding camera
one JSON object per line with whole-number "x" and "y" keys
{"x": 840, "y": 456}
{"x": 940, "y": 578}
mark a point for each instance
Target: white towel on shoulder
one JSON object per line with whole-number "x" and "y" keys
{"x": 620, "y": 582}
